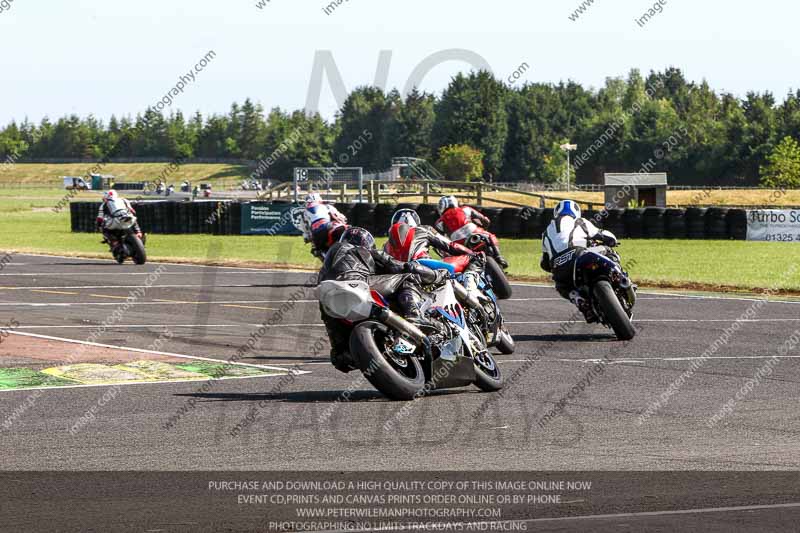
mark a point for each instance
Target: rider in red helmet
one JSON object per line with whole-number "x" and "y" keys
{"x": 459, "y": 223}
{"x": 409, "y": 240}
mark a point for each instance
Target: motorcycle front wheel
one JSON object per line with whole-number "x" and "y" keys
{"x": 487, "y": 374}
{"x": 500, "y": 284}
{"x": 397, "y": 377}
{"x": 612, "y": 310}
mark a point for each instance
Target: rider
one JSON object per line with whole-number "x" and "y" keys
{"x": 462, "y": 222}
{"x": 113, "y": 203}
{"x": 324, "y": 224}
{"x": 355, "y": 258}
{"x": 409, "y": 241}
{"x": 566, "y": 238}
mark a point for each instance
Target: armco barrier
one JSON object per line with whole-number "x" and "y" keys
{"x": 225, "y": 218}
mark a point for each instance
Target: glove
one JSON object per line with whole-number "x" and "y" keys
{"x": 441, "y": 277}
{"x": 99, "y": 221}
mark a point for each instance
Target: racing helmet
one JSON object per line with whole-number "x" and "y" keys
{"x": 110, "y": 196}
{"x": 358, "y": 237}
{"x": 446, "y": 202}
{"x": 408, "y": 217}
{"x": 313, "y": 198}
{"x": 568, "y": 208}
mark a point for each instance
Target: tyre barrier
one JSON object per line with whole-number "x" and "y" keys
{"x": 695, "y": 222}
{"x": 653, "y": 223}
{"x": 225, "y": 217}
{"x": 675, "y": 223}
{"x": 634, "y": 223}
{"x": 716, "y": 224}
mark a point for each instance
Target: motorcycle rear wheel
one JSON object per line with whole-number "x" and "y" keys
{"x": 500, "y": 284}
{"x": 137, "y": 249}
{"x": 382, "y": 370}
{"x": 612, "y": 310}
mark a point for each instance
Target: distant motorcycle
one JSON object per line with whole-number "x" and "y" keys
{"x": 403, "y": 360}
{"x": 126, "y": 243}
{"x": 482, "y": 242}
{"x": 600, "y": 279}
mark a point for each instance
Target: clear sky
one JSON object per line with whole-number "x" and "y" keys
{"x": 112, "y": 56}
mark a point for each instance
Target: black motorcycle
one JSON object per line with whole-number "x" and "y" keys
{"x": 600, "y": 279}
{"x": 125, "y": 242}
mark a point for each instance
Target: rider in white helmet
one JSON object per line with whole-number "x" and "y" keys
{"x": 323, "y": 224}
{"x": 113, "y": 203}
{"x": 567, "y": 236}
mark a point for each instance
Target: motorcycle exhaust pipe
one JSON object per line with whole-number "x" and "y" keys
{"x": 465, "y": 298}
{"x": 393, "y": 320}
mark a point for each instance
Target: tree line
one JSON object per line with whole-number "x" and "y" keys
{"x": 661, "y": 122}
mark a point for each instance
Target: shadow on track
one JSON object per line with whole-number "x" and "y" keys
{"x": 575, "y": 337}
{"x": 328, "y": 396}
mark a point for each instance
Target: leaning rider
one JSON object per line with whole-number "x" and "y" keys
{"x": 355, "y": 258}
{"x": 566, "y": 238}
{"x": 324, "y": 224}
{"x": 113, "y": 204}
{"x": 409, "y": 240}
{"x": 460, "y": 222}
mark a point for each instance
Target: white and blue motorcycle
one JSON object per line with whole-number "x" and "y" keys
{"x": 405, "y": 361}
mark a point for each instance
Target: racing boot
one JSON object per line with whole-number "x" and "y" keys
{"x": 501, "y": 261}
{"x": 409, "y": 301}
{"x": 583, "y": 305}
{"x": 471, "y": 284}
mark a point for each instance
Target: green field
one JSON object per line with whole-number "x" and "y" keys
{"x": 27, "y": 224}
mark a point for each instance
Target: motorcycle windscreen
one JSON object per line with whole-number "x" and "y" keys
{"x": 346, "y": 300}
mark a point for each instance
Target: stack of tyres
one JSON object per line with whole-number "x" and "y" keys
{"x": 346, "y": 210}
{"x": 612, "y": 221}
{"x": 207, "y": 217}
{"x": 716, "y": 225}
{"x": 634, "y": 223}
{"x": 737, "y": 224}
{"x": 383, "y": 218}
{"x": 362, "y": 216}
{"x": 675, "y": 223}
{"x": 234, "y": 209}
{"x": 530, "y": 222}
{"x": 171, "y": 217}
{"x": 144, "y": 216}
{"x": 544, "y": 218}
{"x": 218, "y": 218}
{"x": 510, "y": 222}
{"x": 654, "y": 223}
{"x": 428, "y": 214}
{"x": 494, "y": 214}
{"x": 695, "y": 222}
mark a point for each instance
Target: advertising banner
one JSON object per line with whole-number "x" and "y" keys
{"x": 265, "y": 218}
{"x": 773, "y": 225}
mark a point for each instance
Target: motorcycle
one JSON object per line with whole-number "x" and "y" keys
{"x": 403, "y": 360}
{"x": 482, "y": 242}
{"x": 485, "y": 313}
{"x": 600, "y": 279}
{"x": 126, "y": 242}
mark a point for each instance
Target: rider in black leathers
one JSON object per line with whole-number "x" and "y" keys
{"x": 354, "y": 258}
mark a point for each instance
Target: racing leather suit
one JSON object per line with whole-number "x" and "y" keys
{"x": 324, "y": 225}
{"x": 105, "y": 212}
{"x": 459, "y": 223}
{"x": 384, "y": 274}
{"x": 408, "y": 243}
{"x": 564, "y": 241}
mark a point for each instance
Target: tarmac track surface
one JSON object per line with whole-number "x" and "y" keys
{"x": 302, "y": 422}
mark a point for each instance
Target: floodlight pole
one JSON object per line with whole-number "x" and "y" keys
{"x": 568, "y": 148}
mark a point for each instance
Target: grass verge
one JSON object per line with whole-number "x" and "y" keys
{"x": 702, "y": 265}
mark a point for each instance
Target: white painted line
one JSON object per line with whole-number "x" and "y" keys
{"x": 158, "y": 302}
{"x": 661, "y": 320}
{"x": 133, "y": 326}
{"x": 646, "y": 359}
{"x": 209, "y": 378}
{"x": 154, "y": 286}
{"x": 140, "y": 350}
